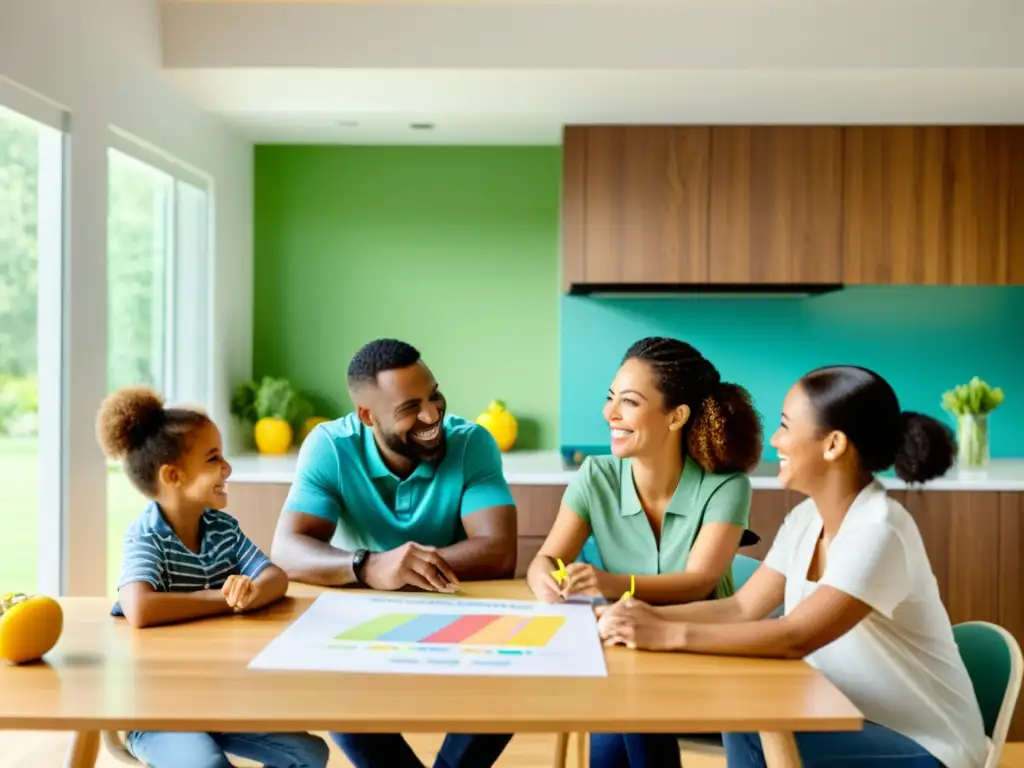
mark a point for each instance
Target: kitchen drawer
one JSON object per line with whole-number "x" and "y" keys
{"x": 527, "y": 549}
{"x": 537, "y": 507}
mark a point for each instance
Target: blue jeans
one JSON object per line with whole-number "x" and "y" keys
{"x": 743, "y": 750}
{"x": 168, "y": 749}
{"x": 390, "y": 750}
{"x": 634, "y": 750}
{"x": 874, "y": 745}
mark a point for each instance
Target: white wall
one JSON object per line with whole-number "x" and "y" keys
{"x": 99, "y": 60}
{"x": 640, "y": 35}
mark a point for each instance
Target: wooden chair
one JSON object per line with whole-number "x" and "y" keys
{"x": 995, "y": 665}
{"x": 582, "y": 750}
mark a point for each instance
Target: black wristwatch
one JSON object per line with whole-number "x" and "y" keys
{"x": 358, "y": 561}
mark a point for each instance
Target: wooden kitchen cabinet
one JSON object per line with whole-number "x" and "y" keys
{"x": 895, "y": 205}
{"x": 635, "y": 204}
{"x": 776, "y": 204}
{"x": 653, "y": 206}
{"x": 658, "y": 205}
{"x": 983, "y": 191}
{"x": 536, "y": 508}
{"x": 256, "y": 507}
{"x": 934, "y": 205}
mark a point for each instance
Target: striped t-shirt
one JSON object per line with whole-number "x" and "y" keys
{"x": 154, "y": 554}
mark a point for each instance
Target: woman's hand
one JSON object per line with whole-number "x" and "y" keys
{"x": 585, "y": 579}
{"x": 635, "y": 624}
{"x": 545, "y": 588}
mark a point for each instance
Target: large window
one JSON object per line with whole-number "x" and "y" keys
{"x": 156, "y": 299}
{"x": 31, "y": 257}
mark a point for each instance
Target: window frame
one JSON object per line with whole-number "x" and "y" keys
{"x": 72, "y": 319}
{"x": 185, "y": 367}
{"x": 52, "y": 317}
{"x": 185, "y": 374}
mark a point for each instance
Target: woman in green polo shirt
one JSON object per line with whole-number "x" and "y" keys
{"x": 668, "y": 508}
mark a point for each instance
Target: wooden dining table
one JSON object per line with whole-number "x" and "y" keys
{"x": 105, "y": 676}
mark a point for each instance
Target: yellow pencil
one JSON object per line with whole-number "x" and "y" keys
{"x": 632, "y": 587}
{"x": 560, "y": 574}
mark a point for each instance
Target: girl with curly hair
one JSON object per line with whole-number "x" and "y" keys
{"x": 185, "y": 559}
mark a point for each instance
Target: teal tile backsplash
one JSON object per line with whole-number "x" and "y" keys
{"x": 923, "y": 339}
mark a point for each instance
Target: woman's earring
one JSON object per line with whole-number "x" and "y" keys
{"x": 829, "y": 455}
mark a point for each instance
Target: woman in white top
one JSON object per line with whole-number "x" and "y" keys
{"x": 861, "y": 601}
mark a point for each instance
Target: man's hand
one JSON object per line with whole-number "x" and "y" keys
{"x": 239, "y": 591}
{"x": 635, "y": 624}
{"x": 585, "y": 579}
{"x": 411, "y": 564}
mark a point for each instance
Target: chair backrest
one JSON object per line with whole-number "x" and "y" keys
{"x": 590, "y": 554}
{"x": 743, "y": 568}
{"x": 995, "y": 666}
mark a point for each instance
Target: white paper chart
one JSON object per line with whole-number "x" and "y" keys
{"x": 429, "y": 636}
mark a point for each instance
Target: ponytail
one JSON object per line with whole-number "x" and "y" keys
{"x": 926, "y": 450}
{"x": 725, "y": 434}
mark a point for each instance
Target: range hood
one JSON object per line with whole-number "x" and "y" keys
{"x": 702, "y": 290}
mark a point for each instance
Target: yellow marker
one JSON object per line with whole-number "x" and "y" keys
{"x": 560, "y": 574}
{"x": 632, "y": 587}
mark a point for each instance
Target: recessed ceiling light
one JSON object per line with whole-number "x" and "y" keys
{"x": 421, "y": 126}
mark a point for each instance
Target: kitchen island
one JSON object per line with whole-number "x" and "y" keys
{"x": 972, "y": 523}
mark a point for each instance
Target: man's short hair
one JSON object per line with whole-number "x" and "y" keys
{"x": 378, "y": 356}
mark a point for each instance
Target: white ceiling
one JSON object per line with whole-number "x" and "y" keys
{"x": 318, "y": 106}
{"x": 500, "y": 73}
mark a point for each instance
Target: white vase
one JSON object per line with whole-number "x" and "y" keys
{"x": 972, "y": 440}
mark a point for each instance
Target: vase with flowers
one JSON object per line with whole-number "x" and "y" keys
{"x": 971, "y": 404}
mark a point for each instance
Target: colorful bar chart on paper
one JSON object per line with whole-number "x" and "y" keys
{"x": 465, "y": 629}
{"x": 411, "y": 635}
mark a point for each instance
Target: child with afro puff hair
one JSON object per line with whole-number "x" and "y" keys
{"x": 184, "y": 559}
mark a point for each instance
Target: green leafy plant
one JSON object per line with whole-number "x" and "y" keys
{"x": 971, "y": 403}
{"x": 269, "y": 398}
{"x": 976, "y": 398}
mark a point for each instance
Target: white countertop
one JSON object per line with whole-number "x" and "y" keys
{"x": 547, "y": 468}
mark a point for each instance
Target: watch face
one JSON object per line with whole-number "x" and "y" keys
{"x": 360, "y": 558}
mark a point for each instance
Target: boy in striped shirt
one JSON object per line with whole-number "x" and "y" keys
{"x": 186, "y": 559}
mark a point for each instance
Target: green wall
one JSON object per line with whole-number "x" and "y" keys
{"x": 453, "y": 249}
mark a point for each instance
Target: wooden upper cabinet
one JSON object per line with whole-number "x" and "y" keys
{"x": 929, "y": 205}
{"x": 980, "y": 193}
{"x": 934, "y": 205}
{"x": 635, "y": 204}
{"x": 894, "y": 228}
{"x": 776, "y": 204}
{"x": 1015, "y": 138}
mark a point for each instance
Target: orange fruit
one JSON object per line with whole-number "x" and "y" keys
{"x": 30, "y": 626}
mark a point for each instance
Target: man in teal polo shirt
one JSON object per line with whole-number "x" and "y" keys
{"x": 399, "y": 494}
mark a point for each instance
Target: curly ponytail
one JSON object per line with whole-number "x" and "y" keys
{"x": 724, "y": 433}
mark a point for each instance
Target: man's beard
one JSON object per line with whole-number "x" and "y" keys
{"x": 412, "y": 450}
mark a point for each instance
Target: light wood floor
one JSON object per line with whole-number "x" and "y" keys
{"x": 46, "y": 750}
